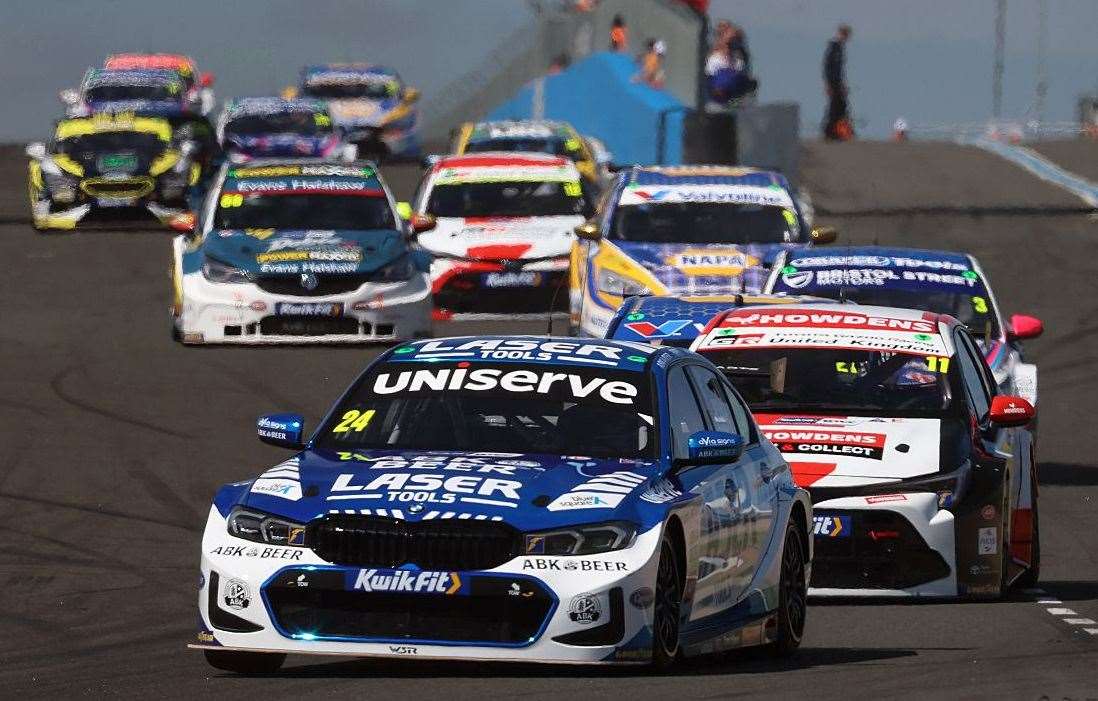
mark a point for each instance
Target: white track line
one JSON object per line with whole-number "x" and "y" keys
{"x": 1039, "y": 166}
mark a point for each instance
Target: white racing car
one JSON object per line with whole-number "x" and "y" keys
{"x": 299, "y": 251}
{"x": 504, "y": 231}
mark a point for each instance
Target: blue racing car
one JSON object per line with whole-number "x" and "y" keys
{"x": 512, "y": 498}
{"x": 942, "y": 282}
{"x": 273, "y": 127}
{"x": 372, "y": 105}
{"x": 677, "y": 321}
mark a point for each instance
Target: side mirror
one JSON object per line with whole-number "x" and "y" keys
{"x": 283, "y": 430}
{"x": 411, "y": 94}
{"x": 69, "y": 97}
{"x": 1011, "y": 411}
{"x": 404, "y": 210}
{"x": 422, "y": 222}
{"x": 36, "y": 150}
{"x": 1023, "y": 327}
{"x": 712, "y": 447}
{"x": 824, "y": 234}
{"x": 588, "y": 231}
{"x": 184, "y": 222}
{"x": 349, "y": 153}
{"x": 206, "y": 80}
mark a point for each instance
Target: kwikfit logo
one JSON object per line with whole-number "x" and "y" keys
{"x": 407, "y": 581}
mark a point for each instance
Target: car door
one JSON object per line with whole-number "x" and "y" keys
{"x": 757, "y": 495}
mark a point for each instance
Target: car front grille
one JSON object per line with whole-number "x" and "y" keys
{"x": 883, "y": 551}
{"x": 464, "y": 293}
{"x": 290, "y": 285}
{"x": 489, "y": 610}
{"x": 117, "y": 187}
{"x": 307, "y": 326}
{"x": 374, "y": 541}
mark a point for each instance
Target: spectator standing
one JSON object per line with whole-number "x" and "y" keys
{"x": 651, "y": 61}
{"x": 726, "y": 73}
{"x": 837, "y": 123}
{"x": 619, "y": 34}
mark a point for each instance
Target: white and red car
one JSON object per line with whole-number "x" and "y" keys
{"x": 922, "y": 475}
{"x": 503, "y": 230}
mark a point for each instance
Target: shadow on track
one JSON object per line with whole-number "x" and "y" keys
{"x": 1067, "y": 474}
{"x": 750, "y": 661}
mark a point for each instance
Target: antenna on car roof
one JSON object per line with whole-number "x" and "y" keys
{"x": 552, "y": 306}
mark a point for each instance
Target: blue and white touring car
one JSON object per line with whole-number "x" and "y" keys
{"x": 512, "y": 498}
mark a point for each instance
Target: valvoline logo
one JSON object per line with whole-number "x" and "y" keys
{"x": 668, "y": 329}
{"x": 651, "y": 196}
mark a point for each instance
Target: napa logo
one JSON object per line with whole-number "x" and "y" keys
{"x": 711, "y": 261}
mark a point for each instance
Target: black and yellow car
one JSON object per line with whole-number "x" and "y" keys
{"x": 112, "y": 168}
{"x": 534, "y": 135}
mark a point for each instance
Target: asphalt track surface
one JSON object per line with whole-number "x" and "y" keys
{"x": 113, "y": 439}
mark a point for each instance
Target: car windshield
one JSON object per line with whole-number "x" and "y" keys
{"x": 336, "y": 91}
{"x": 306, "y": 123}
{"x": 553, "y": 145}
{"x": 114, "y": 93}
{"x": 845, "y": 382}
{"x": 302, "y": 211}
{"x": 704, "y": 222}
{"x": 86, "y": 145}
{"x": 504, "y": 407}
{"x": 971, "y": 307}
{"x": 507, "y": 199}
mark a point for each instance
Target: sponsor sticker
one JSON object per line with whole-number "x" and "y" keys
{"x": 831, "y": 526}
{"x": 237, "y": 594}
{"x": 584, "y": 609}
{"x": 329, "y": 309}
{"x": 517, "y": 279}
{"x": 406, "y": 582}
{"x": 884, "y": 498}
{"x": 568, "y": 564}
{"x": 264, "y": 553}
{"x": 642, "y": 598}
{"x": 987, "y": 541}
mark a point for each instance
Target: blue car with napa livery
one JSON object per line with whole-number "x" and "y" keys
{"x": 942, "y": 282}
{"x": 274, "y": 127}
{"x": 667, "y": 320}
{"x": 299, "y": 251}
{"x": 687, "y": 230}
{"x": 512, "y": 498}
{"x": 371, "y": 104}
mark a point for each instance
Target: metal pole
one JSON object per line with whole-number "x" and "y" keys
{"x": 1042, "y": 62}
{"x": 1000, "y": 48}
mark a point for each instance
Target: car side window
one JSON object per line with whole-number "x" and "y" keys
{"x": 981, "y": 363}
{"x": 722, "y": 414}
{"x": 979, "y": 398}
{"x": 742, "y": 414}
{"x": 684, "y": 414}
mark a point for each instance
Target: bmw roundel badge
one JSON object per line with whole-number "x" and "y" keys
{"x": 309, "y": 281}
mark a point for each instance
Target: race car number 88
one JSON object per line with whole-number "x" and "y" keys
{"x": 231, "y": 199}
{"x": 354, "y": 420}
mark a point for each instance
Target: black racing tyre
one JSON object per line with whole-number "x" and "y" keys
{"x": 668, "y": 606}
{"x": 1032, "y": 575}
{"x": 245, "y": 662}
{"x": 792, "y": 594}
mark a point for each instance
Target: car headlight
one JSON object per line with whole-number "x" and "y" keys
{"x": 612, "y": 283}
{"x": 216, "y": 271}
{"x": 264, "y": 528}
{"x": 582, "y": 540}
{"x": 399, "y": 270}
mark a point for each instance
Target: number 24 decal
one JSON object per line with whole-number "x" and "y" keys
{"x": 354, "y": 420}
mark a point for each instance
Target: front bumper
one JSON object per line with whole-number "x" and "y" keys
{"x": 207, "y": 312}
{"x": 500, "y": 288}
{"x": 286, "y": 599}
{"x": 889, "y": 545}
{"x": 136, "y": 212}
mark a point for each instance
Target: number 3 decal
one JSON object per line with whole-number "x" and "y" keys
{"x": 980, "y": 305}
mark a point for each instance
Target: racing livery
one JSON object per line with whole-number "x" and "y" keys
{"x": 667, "y": 320}
{"x": 937, "y": 281}
{"x": 512, "y": 498}
{"x": 198, "y": 87}
{"x": 690, "y": 230}
{"x": 117, "y": 167}
{"x": 273, "y": 127}
{"x": 298, "y": 252}
{"x": 150, "y": 92}
{"x": 533, "y": 136}
{"x": 503, "y": 230}
{"x": 922, "y": 475}
{"x": 371, "y": 104}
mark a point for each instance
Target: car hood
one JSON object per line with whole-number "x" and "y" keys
{"x": 289, "y": 252}
{"x": 361, "y": 112}
{"x": 282, "y": 145}
{"x": 848, "y": 451}
{"x": 706, "y": 268}
{"x": 529, "y": 491}
{"x": 501, "y": 238}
